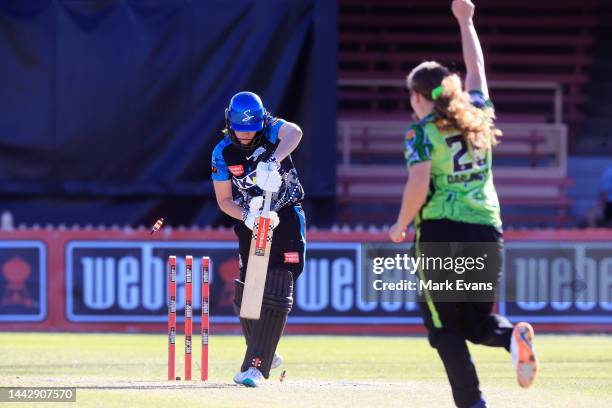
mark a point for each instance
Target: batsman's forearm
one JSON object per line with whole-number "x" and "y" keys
{"x": 288, "y": 143}
{"x": 232, "y": 209}
{"x": 415, "y": 193}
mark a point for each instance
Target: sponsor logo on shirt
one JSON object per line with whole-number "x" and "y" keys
{"x": 237, "y": 170}
{"x": 292, "y": 257}
{"x": 246, "y": 182}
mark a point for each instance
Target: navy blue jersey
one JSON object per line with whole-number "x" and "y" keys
{"x": 232, "y": 163}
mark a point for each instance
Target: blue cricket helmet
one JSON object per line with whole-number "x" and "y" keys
{"x": 246, "y": 113}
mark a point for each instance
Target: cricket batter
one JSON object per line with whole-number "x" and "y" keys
{"x": 255, "y": 156}
{"x": 450, "y": 196}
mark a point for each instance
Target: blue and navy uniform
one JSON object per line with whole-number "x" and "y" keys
{"x": 230, "y": 163}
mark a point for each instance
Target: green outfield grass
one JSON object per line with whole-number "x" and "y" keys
{"x": 128, "y": 370}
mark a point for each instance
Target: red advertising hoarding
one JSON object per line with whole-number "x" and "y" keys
{"x": 114, "y": 280}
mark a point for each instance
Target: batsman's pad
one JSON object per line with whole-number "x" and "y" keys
{"x": 246, "y": 324}
{"x": 266, "y": 332}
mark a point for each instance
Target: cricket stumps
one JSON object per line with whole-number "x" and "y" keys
{"x": 205, "y": 330}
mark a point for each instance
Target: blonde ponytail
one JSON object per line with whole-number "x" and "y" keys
{"x": 454, "y": 110}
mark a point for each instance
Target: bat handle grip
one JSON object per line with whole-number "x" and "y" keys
{"x": 265, "y": 213}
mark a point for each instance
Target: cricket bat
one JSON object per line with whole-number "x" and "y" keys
{"x": 257, "y": 267}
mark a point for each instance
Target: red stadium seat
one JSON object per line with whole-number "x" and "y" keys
{"x": 523, "y": 40}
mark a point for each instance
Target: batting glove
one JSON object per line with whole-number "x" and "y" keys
{"x": 268, "y": 178}
{"x": 254, "y": 211}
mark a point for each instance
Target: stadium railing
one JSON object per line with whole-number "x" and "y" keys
{"x": 377, "y": 93}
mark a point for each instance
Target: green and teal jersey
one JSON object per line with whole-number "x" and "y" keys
{"x": 461, "y": 187}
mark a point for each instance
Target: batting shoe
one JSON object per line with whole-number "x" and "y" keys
{"x": 250, "y": 378}
{"x": 523, "y": 354}
{"x": 276, "y": 361}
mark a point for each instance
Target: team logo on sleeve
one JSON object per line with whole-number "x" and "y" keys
{"x": 408, "y": 150}
{"x": 214, "y": 166}
{"x": 237, "y": 170}
{"x": 410, "y": 134}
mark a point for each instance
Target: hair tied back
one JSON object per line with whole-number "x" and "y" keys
{"x": 436, "y": 92}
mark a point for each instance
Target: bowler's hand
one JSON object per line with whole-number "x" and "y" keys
{"x": 397, "y": 233}
{"x": 463, "y": 10}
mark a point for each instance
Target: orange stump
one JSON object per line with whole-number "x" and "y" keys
{"x": 205, "y": 314}
{"x": 188, "y": 314}
{"x": 171, "y": 316}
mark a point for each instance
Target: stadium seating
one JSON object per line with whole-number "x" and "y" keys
{"x": 523, "y": 40}
{"x": 537, "y": 55}
{"x": 530, "y": 170}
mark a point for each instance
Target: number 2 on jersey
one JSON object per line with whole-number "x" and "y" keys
{"x": 461, "y": 153}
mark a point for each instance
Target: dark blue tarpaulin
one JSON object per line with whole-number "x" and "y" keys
{"x": 109, "y": 110}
